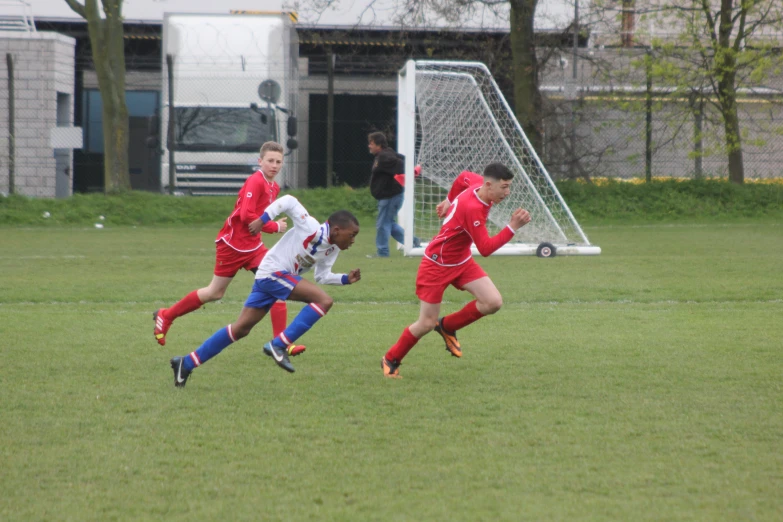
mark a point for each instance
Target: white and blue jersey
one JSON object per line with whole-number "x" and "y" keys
{"x": 304, "y": 247}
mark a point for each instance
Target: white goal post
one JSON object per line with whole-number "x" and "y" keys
{"x": 451, "y": 116}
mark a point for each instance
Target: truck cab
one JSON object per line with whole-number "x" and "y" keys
{"x": 229, "y": 85}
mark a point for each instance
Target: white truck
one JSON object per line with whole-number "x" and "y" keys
{"x": 233, "y": 86}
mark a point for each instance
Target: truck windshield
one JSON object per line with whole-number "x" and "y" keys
{"x": 223, "y": 129}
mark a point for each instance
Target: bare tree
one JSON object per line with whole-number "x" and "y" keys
{"x": 707, "y": 51}
{"x": 108, "y": 51}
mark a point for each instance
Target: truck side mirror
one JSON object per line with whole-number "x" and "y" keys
{"x": 292, "y": 126}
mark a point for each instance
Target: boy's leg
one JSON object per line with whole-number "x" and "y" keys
{"x": 279, "y": 315}
{"x": 488, "y": 301}
{"x": 182, "y": 366}
{"x": 319, "y": 304}
{"x": 164, "y": 317}
{"x": 428, "y": 317}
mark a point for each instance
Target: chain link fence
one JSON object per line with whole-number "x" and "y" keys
{"x": 596, "y": 124}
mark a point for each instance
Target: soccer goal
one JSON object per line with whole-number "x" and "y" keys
{"x": 451, "y": 116}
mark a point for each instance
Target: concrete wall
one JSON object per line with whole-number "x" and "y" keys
{"x": 43, "y": 69}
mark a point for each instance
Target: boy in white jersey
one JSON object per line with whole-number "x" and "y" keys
{"x": 309, "y": 244}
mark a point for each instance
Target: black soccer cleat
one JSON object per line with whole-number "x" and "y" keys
{"x": 280, "y": 355}
{"x": 180, "y": 373}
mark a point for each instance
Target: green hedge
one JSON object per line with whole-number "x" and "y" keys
{"x": 608, "y": 201}
{"x": 672, "y": 200}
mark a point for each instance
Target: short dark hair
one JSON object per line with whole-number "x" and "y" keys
{"x": 342, "y": 219}
{"x": 498, "y": 171}
{"x": 378, "y": 138}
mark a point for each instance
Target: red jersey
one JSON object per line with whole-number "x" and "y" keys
{"x": 254, "y": 196}
{"x": 465, "y": 225}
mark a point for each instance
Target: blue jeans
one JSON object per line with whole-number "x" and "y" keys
{"x": 386, "y": 223}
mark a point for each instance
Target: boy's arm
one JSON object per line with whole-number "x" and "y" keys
{"x": 290, "y": 206}
{"x": 324, "y": 275}
{"x": 485, "y": 244}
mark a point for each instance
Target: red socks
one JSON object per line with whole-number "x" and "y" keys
{"x": 402, "y": 347}
{"x": 279, "y": 314}
{"x": 458, "y": 320}
{"x": 184, "y": 306}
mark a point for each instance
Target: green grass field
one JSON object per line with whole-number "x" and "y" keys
{"x": 642, "y": 384}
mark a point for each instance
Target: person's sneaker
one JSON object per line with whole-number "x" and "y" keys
{"x": 295, "y": 349}
{"x": 162, "y": 326}
{"x": 180, "y": 373}
{"x": 391, "y": 369}
{"x": 452, "y": 344}
{"x": 416, "y": 242}
{"x": 280, "y": 356}
{"x": 376, "y": 256}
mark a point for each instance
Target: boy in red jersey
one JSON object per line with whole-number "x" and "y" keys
{"x": 239, "y": 245}
{"x": 448, "y": 261}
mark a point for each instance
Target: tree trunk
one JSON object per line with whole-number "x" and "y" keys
{"x": 727, "y": 96}
{"x": 527, "y": 98}
{"x": 726, "y": 75}
{"x": 115, "y": 147}
{"x": 108, "y": 50}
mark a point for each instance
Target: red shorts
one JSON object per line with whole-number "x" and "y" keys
{"x": 228, "y": 261}
{"x": 433, "y": 279}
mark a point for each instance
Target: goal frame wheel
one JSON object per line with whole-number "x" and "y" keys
{"x": 546, "y": 250}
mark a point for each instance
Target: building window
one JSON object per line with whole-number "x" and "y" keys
{"x": 140, "y": 103}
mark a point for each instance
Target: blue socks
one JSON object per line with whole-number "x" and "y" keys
{"x": 211, "y": 347}
{"x": 223, "y": 337}
{"x": 301, "y": 323}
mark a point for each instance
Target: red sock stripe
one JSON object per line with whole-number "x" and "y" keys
{"x": 195, "y": 359}
{"x": 231, "y": 334}
{"x": 317, "y": 309}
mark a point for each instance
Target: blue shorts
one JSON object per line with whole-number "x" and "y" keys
{"x": 266, "y": 291}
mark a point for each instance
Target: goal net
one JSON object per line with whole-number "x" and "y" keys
{"x": 453, "y": 117}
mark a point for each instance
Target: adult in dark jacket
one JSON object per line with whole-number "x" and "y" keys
{"x": 387, "y": 191}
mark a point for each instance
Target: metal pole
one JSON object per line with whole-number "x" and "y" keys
{"x": 572, "y": 163}
{"x": 11, "y": 131}
{"x": 648, "y": 127}
{"x": 329, "y": 117}
{"x": 576, "y": 35}
{"x": 171, "y": 135}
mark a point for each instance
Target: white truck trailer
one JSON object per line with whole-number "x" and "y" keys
{"x": 229, "y": 85}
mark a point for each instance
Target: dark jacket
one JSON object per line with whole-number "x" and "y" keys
{"x": 382, "y": 183}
